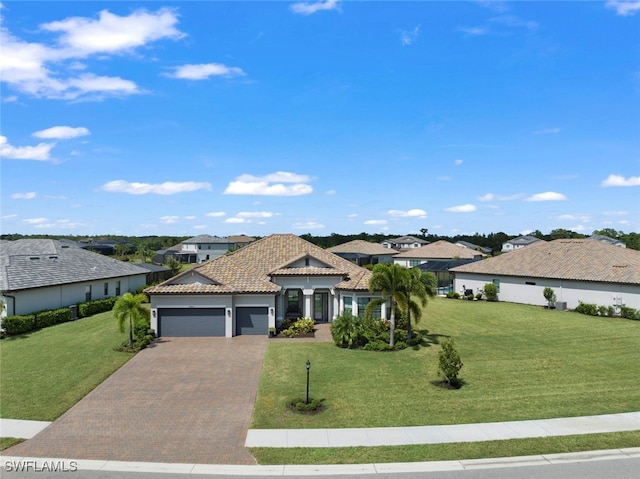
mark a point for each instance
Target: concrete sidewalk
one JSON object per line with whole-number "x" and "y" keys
{"x": 397, "y": 436}
{"x": 21, "y": 428}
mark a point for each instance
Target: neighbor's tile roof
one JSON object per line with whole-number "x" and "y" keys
{"x": 249, "y": 269}
{"x": 361, "y": 247}
{"x": 574, "y": 259}
{"x": 440, "y": 250}
{"x": 523, "y": 240}
{"x": 36, "y": 263}
{"x": 200, "y": 239}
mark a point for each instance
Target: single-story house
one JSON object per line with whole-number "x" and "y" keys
{"x": 363, "y": 252}
{"x": 608, "y": 239}
{"x": 576, "y": 269}
{"x": 519, "y": 242}
{"x": 475, "y": 247}
{"x": 404, "y": 242}
{"x": 438, "y": 251}
{"x": 39, "y": 274}
{"x": 255, "y": 287}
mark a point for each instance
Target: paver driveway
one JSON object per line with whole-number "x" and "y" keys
{"x": 182, "y": 400}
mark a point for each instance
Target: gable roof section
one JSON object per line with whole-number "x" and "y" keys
{"x": 37, "y": 263}
{"x": 440, "y": 250}
{"x": 249, "y": 269}
{"x": 361, "y": 247}
{"x": 203, "y": 239}
{"x": 407, "y": 240}
{"x": 571, "y": 259}
{"x": 523, "y": 240}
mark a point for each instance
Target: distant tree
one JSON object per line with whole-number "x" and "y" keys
{"x": 174, "y": 265}
{"x": 145, "y": 253}
{"x": 424, "y": 232}
{"x": 549, "y": 295}
{"x": 121, "y": 249}
{"x": 610, "y": 232}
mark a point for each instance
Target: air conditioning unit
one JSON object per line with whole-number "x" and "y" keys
{"x": 561, "y": 305}
{"x": 74, "y": 311}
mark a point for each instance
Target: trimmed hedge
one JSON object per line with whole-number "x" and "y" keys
{"x": 51, "y": 317}
{"x": 96, "y": 306}
{"x": 18, "y": 324}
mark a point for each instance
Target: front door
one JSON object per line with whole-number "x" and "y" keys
{"x": 321, "y": 307}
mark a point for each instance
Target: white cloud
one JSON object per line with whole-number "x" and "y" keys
{"x": 407, "y": 37}
{"x": 52, "y": 71}
{"x": 61, "y": 133}
{"x": 255, "y": 214}
{"x": 514, "y": 22}
{"x": 35, "y": 221}
{"x": 270, "y": 185}
{"x": 547, "y": 196}
{"x": 375, "y": 222}
{"x": 190, "y": 217}
{"x": 624, "y": 8}
{"x": 413, "y": 213}
{"x": 166, "y": 188}
{"x": 615, "y": 213}
{"x": 582, "y": 217}
{"x": 308, "y": 225}
{"x": 204, "y": 71}
{"x": 169, "y": 220}
{"x": 494, "y": 197}
{"x": 474, "y": 31}
{"x": 310, "y": 8}
{"x": 24, "y": 196}
{"x": 40, "y": 152}
{"x": 548, "y": 131}
{"x": 235, "y": 220}
{"x": 458, "y": 162}
{"x": 467, "y": 208}
{"x": 619, "y": 180}
{"x": 44, "y": 223}
{"x": 216, "y": 214}
{"x": 200, "y": 227}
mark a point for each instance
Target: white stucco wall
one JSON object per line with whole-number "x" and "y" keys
{"x": 516, "y": 290}
{"x": 53, "y": 297}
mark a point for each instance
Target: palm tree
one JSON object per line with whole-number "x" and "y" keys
{"x": 389, "y": 280}
{"x": 129, "y": 307}
{"x": 420, "y": 285}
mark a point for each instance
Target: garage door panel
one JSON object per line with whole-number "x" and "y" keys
{"x": 188, "y": 322}
{"x": 253, "y": 320}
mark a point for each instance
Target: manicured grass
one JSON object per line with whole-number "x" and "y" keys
{"x": 520, "y": 362}
{"x": 447, "y": 452}
{"x": 46, "y": 372}
{"x": 7, "y": 442}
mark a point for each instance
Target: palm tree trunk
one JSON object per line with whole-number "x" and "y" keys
{"x": 130, "y": 332}
{"x": 409, "y": 320}
{"x": 392, "y": 326}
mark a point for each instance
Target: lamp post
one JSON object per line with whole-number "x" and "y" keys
{"x": 308, "y": 368}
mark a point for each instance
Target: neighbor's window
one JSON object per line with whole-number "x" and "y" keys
{"x": 348, "y": 304}
{"x": 414, "y": 262}
{"x": 293, "y": 301}
{"x": 497, "y": 283}
{"x": 87, "y": 293}
{"x": 118, "y": 288}
{"x": 106, "y": 289}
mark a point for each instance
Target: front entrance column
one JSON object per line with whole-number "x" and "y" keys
{"x": 307, "y": 304}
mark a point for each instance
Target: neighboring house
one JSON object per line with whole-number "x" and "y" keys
{"x": 576, "y": 269}
{"x": 155, "y": 273}
{"x": 202, "y": 248}
{"x": 475, "y": 247}
{"x": 438, "y": 251}
{"x": 404, "y": 242}
{"x": 519, "y": 242}
{"x": 256, "y": 287}
{"x": 608, "y": 240}
{"x": 39, "y": 274}
{"x": 440, "y": 268}
{"x": 363, "y": 252}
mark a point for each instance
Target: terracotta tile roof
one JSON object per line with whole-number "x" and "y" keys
{"x": 361, "y": 247}
{"x": 248, "y": 270}
{"x": 575, "y": 259}
{"x": 440, "y": 250}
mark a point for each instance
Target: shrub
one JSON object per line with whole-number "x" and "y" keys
{"x": 469, "y": 297}
{"x": 587, "y": 308}
{"x": 629, "y": 313}
{"x": 346, "y": 330}
{"x": 18, "y": 324}
{"x": 450, "y": 294}
{"x": 549, "y": 295}
{"x": 301, "y": 405}
{"x": 611, "y": 311}
{"x": 602, "y": 310}
{"x": 449, "y": 363}
{"x": 301, "y": 326}
{"x": 491, "y": 292}
{"x": 479, "y": 296}
{"x": 142, "y": 336}
{"x": 456, "y": 295}
{"x": 51, "y": 317}
{"x": 96, "y": 306}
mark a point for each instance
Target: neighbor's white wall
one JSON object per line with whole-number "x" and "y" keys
{"x": 515, "y": 290}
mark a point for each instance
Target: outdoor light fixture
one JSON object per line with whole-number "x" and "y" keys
{"x": 308, "y": 368}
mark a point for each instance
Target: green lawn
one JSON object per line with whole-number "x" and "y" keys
{"x": 520, "y": 362}
{"x": 44, "y": 373}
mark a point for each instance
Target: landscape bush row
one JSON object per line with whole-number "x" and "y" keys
{"x": 607, "y": 311}
{"x": 371, "y": 334}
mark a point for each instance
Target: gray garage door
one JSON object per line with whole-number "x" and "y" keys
{"x": 252, "y": 321}
{"x": 191, "y": 322}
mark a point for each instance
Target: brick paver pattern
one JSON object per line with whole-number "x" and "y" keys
{"x": 182, "y": 400}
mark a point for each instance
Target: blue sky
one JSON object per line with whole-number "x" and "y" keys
{"x": 185, "y": 118}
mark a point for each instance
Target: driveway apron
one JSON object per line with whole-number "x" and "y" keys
{"x": 185, "y": 400}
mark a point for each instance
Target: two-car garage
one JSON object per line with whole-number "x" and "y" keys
{"x": 182, "y": 322}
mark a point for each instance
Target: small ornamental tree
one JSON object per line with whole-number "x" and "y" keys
{"x": 491, "y": 292}
{"x": 449, "y": 363}
{"x": 549, "y": 295}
